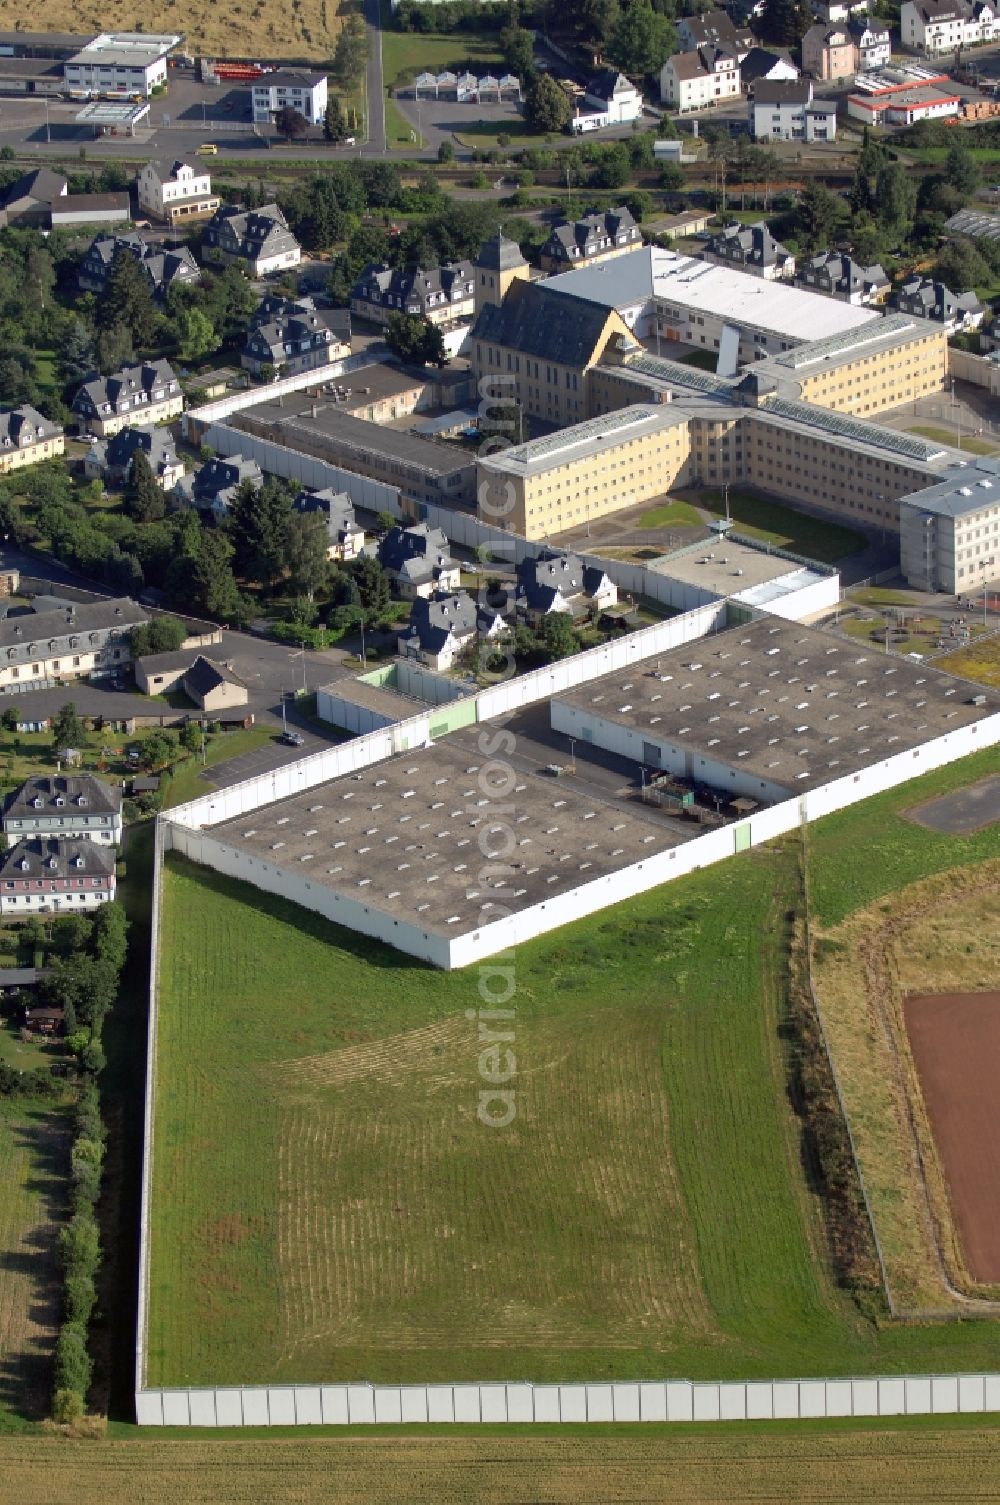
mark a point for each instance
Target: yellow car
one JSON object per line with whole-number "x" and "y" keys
{"x": 208, "y": 149}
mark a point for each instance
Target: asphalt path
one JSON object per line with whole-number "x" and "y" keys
{"x": 375, "y": 84}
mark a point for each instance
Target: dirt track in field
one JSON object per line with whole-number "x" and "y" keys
{"x": 955, "y": 1040}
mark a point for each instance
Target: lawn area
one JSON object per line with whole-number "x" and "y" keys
{"x": 969, "y": 442}
{"x": 405, "y": 54}
{"x": 950, "y": 1458}
{"x": 672, "y": 515}
{"x": 645, "y": 1214}
{"x": 778, "y": 524}
{"x": 980, "y": 661}
{"x": 33, "y": 1155}
{"x": 184, "y": 781}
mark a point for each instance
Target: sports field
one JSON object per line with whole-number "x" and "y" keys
{"x": 694, "y": 1466}
{"x": 326, "y": 1204}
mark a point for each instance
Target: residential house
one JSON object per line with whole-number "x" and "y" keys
{"x": 753, "y": 249}
{"x": 70, "y": 641}
{"x": 938, "y": 26}
{"x": 162, "y": 265}
{"x": 698, "y": 79}
{"x": 828, "y": 52}
{"x": 287, "y": 336}
{"x": 346, "y": 536}
{"x": 762, "y": 63}
{"x": 554, "y": 581}
{"x": 442, "y": 626}
{"x": 786, "y": 111}
{"x": 70, "y": 804}
{"x": 42, "y": 875}
{"x": 442, "y": 295}
{"x": 213, "y": 485}
{"x": 26, "y": 437}
{"x": 838, "y": 275}
{"x": 839, "y": 12}
{"x": 148, "y": 391}
{"x": 715, "y": 28}
{"x": 417, "y": 561}
{"x": 176, "y": 188}
{"x": 110, "y": 460}
{"x": 290, "y": 88}
{"x": 614, "y": 94}
{"x": 260, "y": 237}
{"x": 958, "y": 312}
{"x": 872, "y": 44}
{"x": 596, "y": 237}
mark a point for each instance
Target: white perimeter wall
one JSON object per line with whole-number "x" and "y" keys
{"x": 619, "y": 1401}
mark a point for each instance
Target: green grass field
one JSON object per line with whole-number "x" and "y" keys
{"x": 33, "y": 1164}
{"x": 969, "y": 442}
{"x": 775, "y": 523}
{"x": 647, "y": 1212}
{"x": 672, "y": 514}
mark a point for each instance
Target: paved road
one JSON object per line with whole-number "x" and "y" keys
{"x": 263, "y": 759}
{"x": 375, "y": 82}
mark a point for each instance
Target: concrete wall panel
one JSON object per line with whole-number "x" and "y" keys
{"x": 360, "y": 1404}
{"x": 334, "y": 1402}
{"x": 202, "y": 1403}
{"x": 520, "y": 1403}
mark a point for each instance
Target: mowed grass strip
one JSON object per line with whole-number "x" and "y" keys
{"x": 774, "y": 522}
{"x": 34, "y": 1156}
{"x": 327, "y": 1205}
{"x": 577, "y": 1466}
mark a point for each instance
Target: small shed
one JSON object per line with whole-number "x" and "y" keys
{"x": 146, "y": 785}
{"x": 44, "y": 1021}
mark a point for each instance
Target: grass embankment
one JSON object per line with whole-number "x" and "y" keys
{"x": 307, "y": 29}
{"x": 892, "y": 1461}
{"x": 647, "y": 1213}
{"x": 774, "y": 523}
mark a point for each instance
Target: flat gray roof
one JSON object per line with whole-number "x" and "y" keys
{"x": 725, "y": 567}
{"x": 591, "y": 437}
{"x": 380, "y": 698}
{"x": 963, "y": 492}
{"x": 408, "y": 836}
{"x": 792, "y": 705}
{"x": 299, "y": 418}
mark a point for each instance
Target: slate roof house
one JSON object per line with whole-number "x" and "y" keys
{"x": 694, "y": 80}
{"x": 72, "y": 805}
{"x": 417, "y": 561}
{"x": 442, "y": 626}
{"x": 213, "y": 485}
{"x": 839, "y": 276}
{"x": 753, "y": 249}
{"x": 148, "y": 391}
{"x": 295, "y": 336}
{"x": 66, "y": 641}
{"x": 161, "y": 265}
{"x": 40, "y": 875}
{"x": 110, "y": 460}
{"x": 932, "y": 300}
{"x": 591, "y": 239}
{"x": 715, "y": 28}
{"x": 442, "y": 295}
{"x": 554, "y": 581}
{"x": 346, "y": 536}
{"x": 260, "y": 237}
{"x": 26, "y": 437}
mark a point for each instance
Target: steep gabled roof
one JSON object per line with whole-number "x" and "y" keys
{"x": 537, "y": 321}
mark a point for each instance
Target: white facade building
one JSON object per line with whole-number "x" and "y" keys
{"x": 938, "y": 26}
{"x": 174, "y": 189}
{"x": 949, "y": 534}
{"x": 786, "y": 111}
{"x": 119, "y": 64}
{"x": 696, "y": 80}
{"x": 289, "y": 88}
{"x": 72, "y": 805}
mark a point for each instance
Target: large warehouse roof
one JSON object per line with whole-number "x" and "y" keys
{"x": 735, "y": 296}
{"x": 412, "y": 838}
{"x": 783, "y": 703}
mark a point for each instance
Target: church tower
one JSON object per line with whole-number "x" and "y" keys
{"x": 500, "y": 263}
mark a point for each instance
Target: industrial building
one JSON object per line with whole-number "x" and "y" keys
{"x": 416, "y": 837}
{"x": 119, "y": 64}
